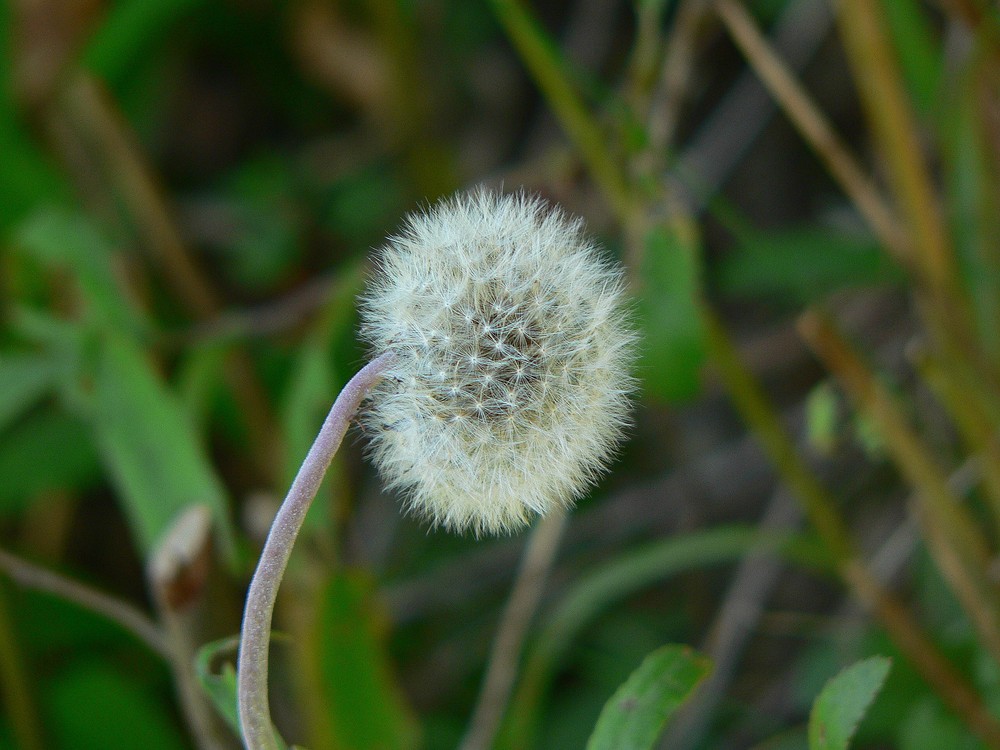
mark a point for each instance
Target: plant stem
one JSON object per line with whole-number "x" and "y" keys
{"x": 955, "y": 541}
{"x": 821, "y": 510}
{"x": 813, "y": 126}
{"x": 548, "y": 69}
{"x": 125, "y": 614}
{"x": 254, "y": 709}
{"x": 884, "y": 95}
{"x": 505, "y": 655}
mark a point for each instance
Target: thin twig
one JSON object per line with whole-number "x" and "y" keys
{"x": 254, "y": 708}
{"x": 505, "y": 655}
{"x": 128, "y": 616}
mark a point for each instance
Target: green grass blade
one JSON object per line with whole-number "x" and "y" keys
{"x": 673, "y": 349}
{"x": 153, "y": 455}
{"x": 364, "y": 707}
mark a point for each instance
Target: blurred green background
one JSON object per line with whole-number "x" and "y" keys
{"x": 189, "y": 190}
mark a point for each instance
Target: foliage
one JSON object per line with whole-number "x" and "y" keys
{"x": 189, "y": 192}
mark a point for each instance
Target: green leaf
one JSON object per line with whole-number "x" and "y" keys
{"x": 641, "y": 707}
{"x": 128, "y": 30}
{"x": 843, "y": 703}
{"x": 673, "y": 340}
{"x": 152, "y": 453}
{"x": 96, "y": 705}
{"x": 797, "y": 266}
{"x": 68, "y": 241}
{"x": 364, "y": 706}
{"x": 24, "y": 379}
{"x": 220, "y": 685}
{"x": 48, "y": 451}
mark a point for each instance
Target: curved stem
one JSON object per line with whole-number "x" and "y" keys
{"x": 254, "y": 710}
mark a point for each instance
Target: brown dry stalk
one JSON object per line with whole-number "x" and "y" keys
{"x": 956, "y": 543}
{"x": 814, "y": 127}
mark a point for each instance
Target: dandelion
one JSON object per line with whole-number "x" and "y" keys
{"x": 498, "y": 388}
{"x": 510, "y": 388}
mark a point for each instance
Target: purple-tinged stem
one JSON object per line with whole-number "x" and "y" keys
{"x": 255, "y": 712}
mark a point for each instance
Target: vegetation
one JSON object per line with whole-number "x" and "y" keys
{"x": 795, "y": 548}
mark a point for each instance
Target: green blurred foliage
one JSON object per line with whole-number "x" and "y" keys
{"x": 258, "y": 151}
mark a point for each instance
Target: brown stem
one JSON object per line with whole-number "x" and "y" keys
{"x": 506, "y": 653}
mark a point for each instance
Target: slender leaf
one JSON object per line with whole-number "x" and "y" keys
{"x": 673, "y": 347}
{"x": 151, "y": 450}
{"x": 220, "y": 685}
{"x": 24, "y": 379}
{"x": 641, "y": 707}
{"x": 843, "y": 703}
{"x": 48, "y": 451}
{"x": 364, "y": 706}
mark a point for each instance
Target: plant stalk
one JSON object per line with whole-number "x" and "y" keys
{"x": 254, "y": 708}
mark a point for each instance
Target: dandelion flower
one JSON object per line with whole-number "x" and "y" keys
{"x": 510, "y": 387}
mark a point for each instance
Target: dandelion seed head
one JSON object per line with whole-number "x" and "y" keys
{"x": 511, "y": 387}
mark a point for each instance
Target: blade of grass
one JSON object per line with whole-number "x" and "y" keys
{"x": 153, "y": 454}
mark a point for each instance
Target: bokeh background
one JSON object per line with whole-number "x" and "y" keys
{"x": 805, "y": 196}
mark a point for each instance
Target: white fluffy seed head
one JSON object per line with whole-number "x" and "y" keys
{"x": 511, "y": 387}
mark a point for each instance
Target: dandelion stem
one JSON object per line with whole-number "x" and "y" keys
{"x": 254, "y": 710}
